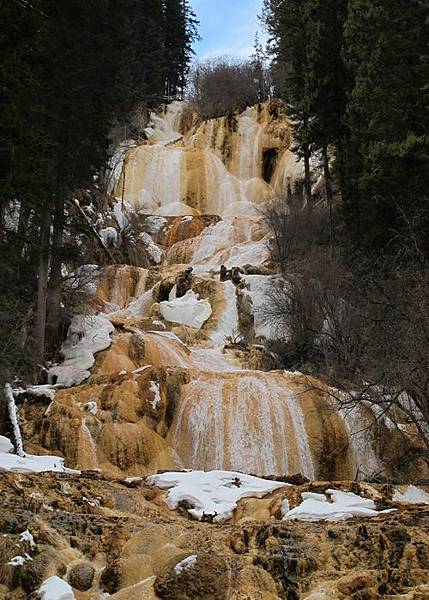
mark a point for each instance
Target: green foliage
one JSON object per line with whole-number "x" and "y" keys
{"x": 70, "y": 72}
{"x": 386, "y": 116}
{"x": 355, "y": 73}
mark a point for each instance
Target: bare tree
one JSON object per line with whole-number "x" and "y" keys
{"x": 224, "y": 86}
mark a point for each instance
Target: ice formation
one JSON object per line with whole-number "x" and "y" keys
{"x": 340, "y": 506}
{"x": 213, "y": 493}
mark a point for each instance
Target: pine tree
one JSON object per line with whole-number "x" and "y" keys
{"x": 387, "y": 151}
{"x": 180, "y": 33}
{"x": 70, "y": 71}
{"x": 285, "y": 20}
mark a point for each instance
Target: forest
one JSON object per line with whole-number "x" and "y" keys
{"x": 76, "y": 78}
{"x": 353, "y": 75}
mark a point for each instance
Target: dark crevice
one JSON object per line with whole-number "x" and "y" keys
{"x": 269, "y": 164}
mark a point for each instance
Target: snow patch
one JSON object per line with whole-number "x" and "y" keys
{"x": 28, "y": 463}
{"x": 343, "y": 505}
{"x": 187, "y": 310}
{"x": 27, "y": 537}
{"x": 413, "y": 495}
{"x": 87, "y": 335}
{"x": 6, "y": 445}
{"x": 214, "y": 493}
{"x": 91, "y": 407}
{"x": 38, "y": 391}
{"x": 158, "y": 323}
{"x": 18, "y": 561}
{"x": 109, "y": 236}
{"x": 186, "y": 564}
{"x": 152, "y": 249}
{"x": 56, "y": 588}
{"x": 154, "y": 388}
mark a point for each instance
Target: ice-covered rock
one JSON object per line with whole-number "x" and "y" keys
{"x": 213, "y": 493}
{"x": 87, "y": 335}
{"x": 28, "y": 463}
{"x": 412, "y": 494}
{"x": 187, "y": 310}
{"x": 55, "y": 588}
{"x": 343, "y": 505}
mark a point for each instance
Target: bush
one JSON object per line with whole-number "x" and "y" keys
{"x": 225, "y": 86}
{"x": 361, "y": 325}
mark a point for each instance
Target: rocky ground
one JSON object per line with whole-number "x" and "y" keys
{"x": 118, "y": 539}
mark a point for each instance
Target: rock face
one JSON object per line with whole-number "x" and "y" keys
{"x": 160, "y": 394}
{"x": 183, "y": 380}
{"x": 115, "y": 536}
{"x": 199, "y": 576}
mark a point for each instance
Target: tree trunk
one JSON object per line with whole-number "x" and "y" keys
{"x": 14, "y": 421}
{"x": 55, "y": 280}
{"x": 24, "y": 216}
{"x": 328, "y": 191}
{"x": 307, "y": 178}
{"x": 42, "y": 286}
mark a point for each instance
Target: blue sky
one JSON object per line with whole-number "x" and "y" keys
{"x": 227, "y": 27}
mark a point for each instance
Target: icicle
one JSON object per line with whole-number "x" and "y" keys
{"x": 13, "y": 416}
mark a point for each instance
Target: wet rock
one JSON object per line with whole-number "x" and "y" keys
{"x": 81, "y": 576}
{"x": 184, "y": 282}
{"x": 208, "y": 578}
{"x": 236, "y": 273}
{"x": 110, "y": 580}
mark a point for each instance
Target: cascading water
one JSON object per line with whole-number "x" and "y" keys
{"x": 226, "y": 416}
{"x": 248, "y": 421}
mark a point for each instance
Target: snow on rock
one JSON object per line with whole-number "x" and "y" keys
{"x": 214, "y": 493}
{"x": 186, "y": 564}
{"x": 412, "y": 494}
{"x": 87, "y": 335}
{"x": 187, "y": 310}
{"x": 55, "y": 588}
{"x": 91, "y": 407}
{"x": 6, "y": 445}
{"x": 152, "y": 249}
{"x": 109, "y": 236}
{"x": 18, "y": 561}
{"x": 28, "y": 463}
{"x": 133, "y": 479}
{"x": 155, "y": 224}
{"x": 343, "y": 505}
{"x": 38, "y": 391}
{"x": 154, "y": 388}
{"x": 158, "y": 323}
{"x": 27, "y": 537}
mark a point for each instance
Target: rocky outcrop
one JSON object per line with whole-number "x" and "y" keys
{"x": 117, "y": 536}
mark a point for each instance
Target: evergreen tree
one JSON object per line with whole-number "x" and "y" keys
{"x": 180, "y": 33}
{"x": 70, "y": 71}
{"x": 387, "y": 158}
{"x": 285, "y": 20}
